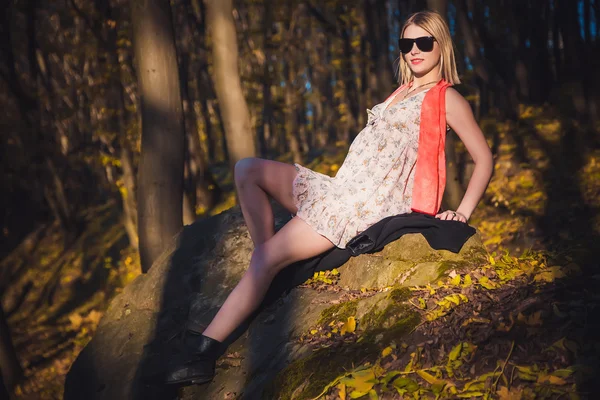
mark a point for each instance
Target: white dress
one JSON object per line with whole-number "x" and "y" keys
{"x": 375, "y": 180}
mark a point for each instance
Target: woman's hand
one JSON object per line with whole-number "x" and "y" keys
{"x": 452, "y": 216}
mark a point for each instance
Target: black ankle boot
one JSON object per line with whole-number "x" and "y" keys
{"x": 195, "y": 364}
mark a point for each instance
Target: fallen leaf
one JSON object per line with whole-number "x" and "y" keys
{"x": 485, "y": 282}
{"x": 550, "y": 275}
{"x": 386, "y": 352}
{"x": 349, "y": 326}
{"x": 515, "y": 393}
{"x": 455, "y": 281}
{"x": 455, "y": 352}
{"x": 554, "y": 380}
{"x": 467, "y": 281}
{"x": 342, "y": 391}
{"x": 430, "y": 378}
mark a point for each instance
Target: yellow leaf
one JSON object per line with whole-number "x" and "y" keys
{"x": 554, "y": 380}
{"x": 386, "y": 352}
{"x": 455, "y": 352}
{"x": 362, "y": 381}
{"x": 431, "y": 290}
{"x": 513, "y": 394}
{"x": 563, "y": 373}
{"x": 549, "y": 275}
{"x": 486, "y": 283}
{"x": 456, "y": 280}
{"x": 342, "y": 391}
{"x": 430, "y": 378}
{"x": 422, "y": 304}
{"x": 479, "y": 320}
{"x": 492, "y": 261}
{"x": 534, "y": 319}
{"x": 468, "y": 281}
{"x": 313, "y": 331}
{"x": 349, "y": 326}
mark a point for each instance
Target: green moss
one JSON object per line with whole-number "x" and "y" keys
{"x": 446, "y": 266}
{"x": 383, "y": 318}
{"x": 338, "y": 312}
{"x": 400, "y": 295}
{"x": 404, "y": 324}
{"x": 315, "y": 372}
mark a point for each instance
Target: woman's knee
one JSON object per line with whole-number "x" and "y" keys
{"x": 266, "y": 261}
{"x": 246, "y": 170}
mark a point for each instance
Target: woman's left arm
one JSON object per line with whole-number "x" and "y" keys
{"x": 460, "y": 118}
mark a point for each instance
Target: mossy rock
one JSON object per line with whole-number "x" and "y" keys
{"x": 409, "y": 261}
{"x": 338, "y": 312}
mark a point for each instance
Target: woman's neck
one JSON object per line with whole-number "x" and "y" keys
{"x": 433, "y": 75}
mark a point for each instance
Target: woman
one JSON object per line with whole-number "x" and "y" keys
{"x": 379, "y": 177}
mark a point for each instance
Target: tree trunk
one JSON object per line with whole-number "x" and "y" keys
{"x": 380, "y": 76}
{"x": 128, "y": 197}
{"x": 267, "y": 116}
{"x": 539, "y": 59}
{"x": 200, "y": 182}
{"x": 160, "y": 173}
{"x": 441, "y": 6}
{"x": 574, "y": 53}
{"x": 240, "y": 142}
{"x": 507, "y": 102}
{"x": 10, "y": 368}
{"x": 350, "y": 89}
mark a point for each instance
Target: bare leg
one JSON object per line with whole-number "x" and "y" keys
{"x": 295, "y": 241}
{"x": 257, "y": 179}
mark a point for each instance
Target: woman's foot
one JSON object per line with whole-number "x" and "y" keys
{"x": 195, "y": 364}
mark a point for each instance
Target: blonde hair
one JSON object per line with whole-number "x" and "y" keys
{"x": 433, "y": 23}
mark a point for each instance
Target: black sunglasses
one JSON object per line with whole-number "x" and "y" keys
{"x": 424, "y": 43}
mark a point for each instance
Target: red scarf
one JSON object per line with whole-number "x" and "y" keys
{"x": 430, "y": 169}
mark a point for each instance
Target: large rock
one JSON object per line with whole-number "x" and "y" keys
{"x": 192, "y": 279}
{"x": 409, "y": 261}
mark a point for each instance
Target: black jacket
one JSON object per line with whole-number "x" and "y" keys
{"x": 441, "y": 235}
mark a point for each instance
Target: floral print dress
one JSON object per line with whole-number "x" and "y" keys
{"x": 375, "y": 180}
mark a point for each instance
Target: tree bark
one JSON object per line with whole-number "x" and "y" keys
{"x": 508, "y": 103}
{"x": 240, "y": 141}
{"x": 441, "y": 6}
{"x": 267, "y": 115}
{"x": 160, "y": 172}
{"x": 380, "y": 76}
{"x": 128, "y": 197}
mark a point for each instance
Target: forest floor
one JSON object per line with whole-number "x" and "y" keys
{"x": 523, "y": 326}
